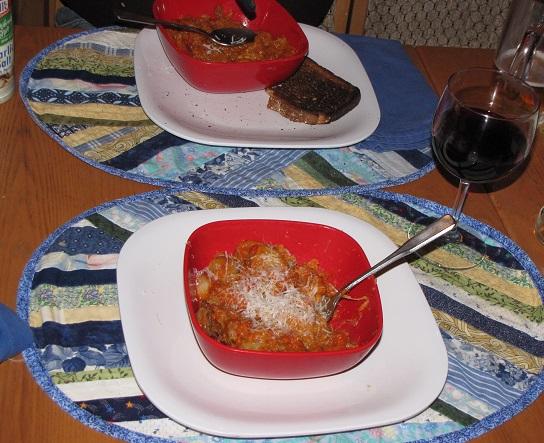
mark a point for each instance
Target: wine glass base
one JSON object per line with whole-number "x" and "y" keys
{"x": 457, "y": 250}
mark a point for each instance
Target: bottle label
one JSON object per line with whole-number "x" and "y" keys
{"x": 4, "y": 6}
{"x": 6, "y": 51}
{"x": 6, "y": 31}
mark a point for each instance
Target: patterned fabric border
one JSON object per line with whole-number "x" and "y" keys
{"x": 82, "y": 92}
{"x": 490, "y": 317}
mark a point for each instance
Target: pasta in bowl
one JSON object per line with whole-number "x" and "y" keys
{"x": 243, "y": 71}
{"x": 254, "y": 290}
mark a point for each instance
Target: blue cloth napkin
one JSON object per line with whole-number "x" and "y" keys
{"x": 15, "y": 335}
{"x": 406, "y": 100}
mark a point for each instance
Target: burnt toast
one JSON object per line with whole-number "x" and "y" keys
{"x": 313, "y": 95}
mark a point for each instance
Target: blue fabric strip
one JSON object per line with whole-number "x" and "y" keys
{"x": 148, "y": 212}
{"x": 80, "y": 358}
{"x": 172, "y": 203}
{"x": 144, "y": 151}
{"x": 123, "y": 409}
{"x": 90, "y": 333}
{"x": 488, "y": 363}
{"x": 503, "y": 332}
{"x": 57, "y": 277}
{"x": 82, "y": 75}
{"x": 60, "y": 96}
{"x": 269, "y": 161}
{"x": 414, "y": 156}
{"x": 480, "y": 385}
{"x": 234, "y": 201}
{"x": 86, "y": 240}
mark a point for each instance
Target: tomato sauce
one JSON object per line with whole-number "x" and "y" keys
{"x": 259, "y": 298}
{"x": 264, "y": 47}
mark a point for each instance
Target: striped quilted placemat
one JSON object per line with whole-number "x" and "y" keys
{"x": 82, "y": 92}
{"x": 490, "y": 317}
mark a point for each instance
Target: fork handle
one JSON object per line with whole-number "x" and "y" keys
{"x": 436, "y": 229}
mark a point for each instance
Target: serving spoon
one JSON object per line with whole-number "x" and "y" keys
{"x": 435, "y": 230}
{"x": 222, "y": 36}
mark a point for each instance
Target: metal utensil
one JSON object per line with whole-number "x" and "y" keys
{"x": 248, "y": 8}
{"x": 428, "y": 235}
{"x": 223, "y": 36}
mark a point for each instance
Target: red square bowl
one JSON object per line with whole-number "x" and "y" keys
{"x": 232, "y": 77}
{"x": 339, "y": 255}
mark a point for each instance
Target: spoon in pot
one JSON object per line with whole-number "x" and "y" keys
{"x": 436, "y": 229}
{"x": 223, "y": 36}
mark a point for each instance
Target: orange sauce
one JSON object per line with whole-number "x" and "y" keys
{"x": 259, "y": 298}
{"x": 264, "y": 47}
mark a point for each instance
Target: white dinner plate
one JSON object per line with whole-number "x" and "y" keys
{"x": 243, "y": 119}
{"x": 400, "y": 378}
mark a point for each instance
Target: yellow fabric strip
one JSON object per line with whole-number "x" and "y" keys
{"x": 464, "y": 331}
{"x": 525, "y": 295}
{"x": 89, "y": 134}
{"x": 70, "y": 316}
{"x": 304, "y": 180}
{"x": 93, "y": 111}
{"x": 477, "y": 280}
{"x": 440, "y": 255}
{"x": 107, "y": 151}
{"x": 202, "y": 201}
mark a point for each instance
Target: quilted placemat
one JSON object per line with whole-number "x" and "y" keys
{"x": 490, "y": 317}
{"x": 82, "y": 92}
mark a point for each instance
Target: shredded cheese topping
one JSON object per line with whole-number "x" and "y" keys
{"x": 272, "y": 302}
{"x": 260, "y": 298}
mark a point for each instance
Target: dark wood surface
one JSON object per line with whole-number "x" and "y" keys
{"x": 42, "y": 186}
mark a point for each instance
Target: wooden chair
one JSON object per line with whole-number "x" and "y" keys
{"x": 349, "y": 16}
{"x": 51, "y": 7}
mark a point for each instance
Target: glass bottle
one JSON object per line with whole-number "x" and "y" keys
{"x": 7, "y": 82}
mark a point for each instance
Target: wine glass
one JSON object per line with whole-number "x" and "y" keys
{"x": 483, "y": 129}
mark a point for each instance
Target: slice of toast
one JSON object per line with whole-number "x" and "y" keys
{"x": 313, "y": 95}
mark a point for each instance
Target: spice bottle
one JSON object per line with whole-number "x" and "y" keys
{"x": 7, "y": 82}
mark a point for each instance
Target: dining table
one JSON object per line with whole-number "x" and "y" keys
{"x": 42, "y": 186}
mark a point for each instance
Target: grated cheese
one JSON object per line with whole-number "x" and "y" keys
{"x": 260, "y": 298}
{"x": 271, "y": 302}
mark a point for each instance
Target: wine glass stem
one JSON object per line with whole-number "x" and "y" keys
{"x": 460, "y": 199}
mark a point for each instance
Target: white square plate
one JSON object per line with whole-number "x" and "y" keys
{"x": 400, "y": 378}
{"x": 243, "y": 119}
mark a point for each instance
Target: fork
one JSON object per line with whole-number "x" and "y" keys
{"x": 435, "y": 230}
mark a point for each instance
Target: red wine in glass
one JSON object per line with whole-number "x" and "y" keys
{"x": 483, "y": 129}
{"x": 477, "y": 145}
